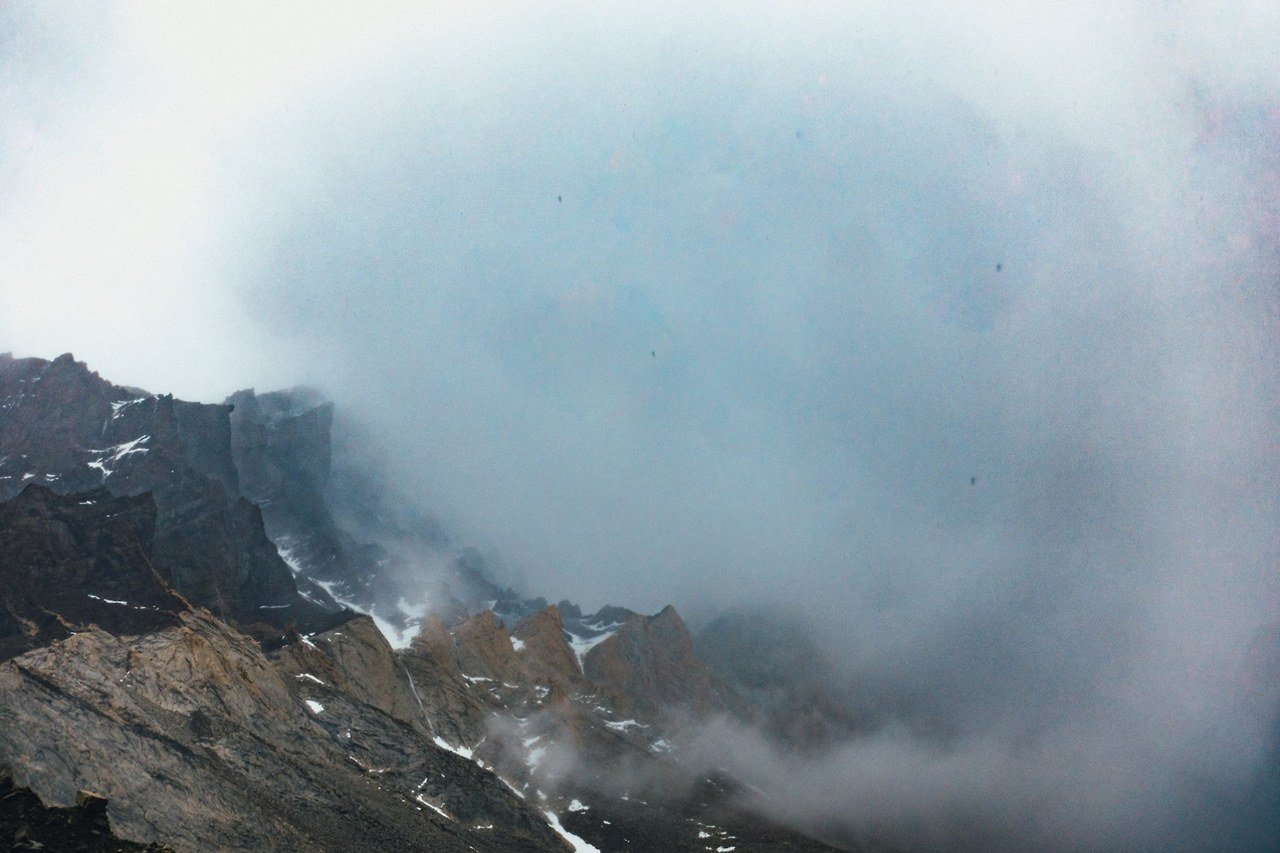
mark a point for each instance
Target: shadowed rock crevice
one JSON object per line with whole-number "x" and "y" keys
{"x": 28, "y": 824}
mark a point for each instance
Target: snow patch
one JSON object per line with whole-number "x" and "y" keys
{"x": 513, "y": 788}
{"x": 117, "y": 408}
{"x": 397, "y": 638}
{"x": 577, "y": 806}
{"x": 444, "y": 814}
{"x": 578, "y": 845}
{"x": 111, "y": 456}
{"x": 624, "y": 725}
{"x": 465, "y": 752}
{"x": 105, "y": 600}
{"x": 582, "y": 645}
{"x": 285, "y": 550}
{"x": 315, "y": 706}
{"x": 308, "y": 676}
{"x": 517, "y": 644}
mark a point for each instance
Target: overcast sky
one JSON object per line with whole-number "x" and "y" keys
{"x": 954, "y": 327}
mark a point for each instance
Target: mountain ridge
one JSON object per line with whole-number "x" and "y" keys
{"x": 239, "y": 672}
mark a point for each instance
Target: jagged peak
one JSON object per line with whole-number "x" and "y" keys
{"x": 485, "y": 620}
{"x": 668, "y": 613}
{"x": 432, "y": 633}
{"x": 546, "y": 621}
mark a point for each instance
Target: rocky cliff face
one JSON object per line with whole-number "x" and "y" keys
{"x": 342, "y": 535}
{"x": 544, "y": 652}
{"x": 649, "y": 665}
{"x": 64, "y": 427}
{"x": 70, "y": 561}
{"x": 280, "y": 446}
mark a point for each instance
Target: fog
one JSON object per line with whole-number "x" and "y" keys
{"x": 954, "y": 329}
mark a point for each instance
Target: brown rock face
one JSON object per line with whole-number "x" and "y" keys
{"x": 544, "y": 653}
{"x": 484, "y": 649}
{"x": 455, "y": 712}
{"x": 355, "y": 659}
{"x": 199, "y": 742}
{"x": 650, "y": 666}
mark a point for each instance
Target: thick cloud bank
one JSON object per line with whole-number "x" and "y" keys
{"x": 954, "y": 328}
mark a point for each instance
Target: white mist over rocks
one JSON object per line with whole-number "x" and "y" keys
{"x": 954, "y": 328}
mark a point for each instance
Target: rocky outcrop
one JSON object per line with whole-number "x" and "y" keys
{"x": 484, "y": 649}
{"x": 544, "y": 654}
{"x": 343, "y": 535}
{"x": 280, "y": 444}
{"x": 198, "y": 740}
{"x": 356, "y": 660}
{"x": 457, "y": 712}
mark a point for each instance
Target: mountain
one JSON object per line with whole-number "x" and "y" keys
{"x": 217, "y": 638}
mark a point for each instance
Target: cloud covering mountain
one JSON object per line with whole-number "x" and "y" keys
{"x": 954, "y": 329}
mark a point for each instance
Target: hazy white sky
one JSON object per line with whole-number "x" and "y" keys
{"x": 730, "y": 303}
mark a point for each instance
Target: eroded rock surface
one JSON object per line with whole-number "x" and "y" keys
{"x": 199, "y": 741}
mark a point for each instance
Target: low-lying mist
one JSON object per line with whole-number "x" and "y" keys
{"x": 953, "y": 330}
